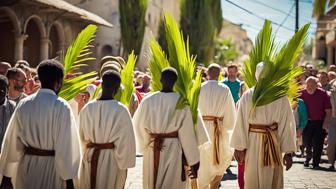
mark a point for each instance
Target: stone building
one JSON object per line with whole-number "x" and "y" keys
{"x": 35, "y": 30}
{"x": 325, "y": 39}
{"x": 238, "y": 36}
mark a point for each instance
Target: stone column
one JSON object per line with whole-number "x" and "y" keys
{"x": 330, "y": 55}
{"x": 44, "y": 48}
{"x": 19, "y": 40}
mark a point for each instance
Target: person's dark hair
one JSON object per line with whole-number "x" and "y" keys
{"x": 233, "y": 66}
{"x": 50, "y": 72}
{"x": 169, "y": 75}
{"x": 13, "y": 73}
{"x": 111, "y": 80}
{"x": 3, "y": 81}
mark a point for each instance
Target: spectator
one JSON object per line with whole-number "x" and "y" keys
{"x": 6, "y": 106}
{"x": 233, "y": 82}
{"x": 319, "y": 115}
{"x": 138, "y": 80}
{"x": 331, "y": 149}
{"x": 331, "y": 75}
{"x": 17, "y": 80}
{"x": 332, "y": 68}
{"x": 4, "y": 66}
{"x": 324, "y": 81}
{"x": 144, "y": 88}
{"x": 301, "y": 120}
{"x": 22, "y": 62}
{"x": 84, "y": 97}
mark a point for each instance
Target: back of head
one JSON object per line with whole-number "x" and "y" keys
{"x": 111, "y": 80}
{"x": 49, "y": 73}
{"x": 13, "y": 73}
{"x": 22, "y": 62}
{"x": 3, "y": 81}
{"x": 169, "y": 77}
{"x": 213, "y": 71}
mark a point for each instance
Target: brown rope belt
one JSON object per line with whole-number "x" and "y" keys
{"x": 215, "y": 139}
{"x": 38, "y": 152}
{"x": 157, "y": 139}
{"x": 270, "y": 144}
{"x": 95, "y": 157}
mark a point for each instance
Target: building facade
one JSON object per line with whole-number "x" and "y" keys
{"x": 35, "y": 30}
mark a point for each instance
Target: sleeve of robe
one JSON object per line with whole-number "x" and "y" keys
{"x": 188, "y": 138}
{"x": 240, "y": 132}
{"x": 139, "y": 121}
{"x": 287, "y": 128}
{"x": 230, "y": 112}
{"x": 12, "y": 147}
{"x": 67, "y": 150}
{"x": 125, "y": 143}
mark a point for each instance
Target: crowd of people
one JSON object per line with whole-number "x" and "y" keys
{"x": 90, "y": 143}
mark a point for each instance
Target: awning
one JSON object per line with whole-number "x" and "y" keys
{"x": 76, "y": 11}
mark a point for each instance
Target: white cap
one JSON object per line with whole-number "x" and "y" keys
{"x": 91, "y": 88}
{"x": 259, "y": 68}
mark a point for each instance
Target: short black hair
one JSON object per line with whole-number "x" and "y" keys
{"x": 3, "y": 81}
{"x": 170, "y": 74}
{"x": 111, "y": 79}
{"x": 49, "y": 72}
{"x": 13, "y": 73}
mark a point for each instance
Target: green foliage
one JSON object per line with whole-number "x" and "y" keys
{"x": 127, "y": 80}
{"x": 184, "y": 63}
{"x": 75, "y": 58}
{"x": 132, "y": 24}
{"x": 201, "y": 20}
{"x": 277, "y": 78}
{"x": 225, "y": 51}
{"x": 319, "y": 8}
{"x": 157, "y": 63}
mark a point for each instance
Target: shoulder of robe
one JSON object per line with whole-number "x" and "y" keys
{"x": 62, "y": 103}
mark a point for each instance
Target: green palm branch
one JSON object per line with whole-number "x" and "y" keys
{"x": 184, "y": 63}
{"x": 78, "y": 53}
{"x": 319, "y": 8}
{"x": 277, "y": 78}
{"x": 157, "y": 63}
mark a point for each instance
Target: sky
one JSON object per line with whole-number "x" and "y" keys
{"x": 274, "y": 10}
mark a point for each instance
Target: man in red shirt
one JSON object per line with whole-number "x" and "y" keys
{"x": 319, "y": 115}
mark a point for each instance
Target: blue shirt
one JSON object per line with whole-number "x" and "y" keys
{"x": 234, "y": 88}
{"x": 303, "y": 114}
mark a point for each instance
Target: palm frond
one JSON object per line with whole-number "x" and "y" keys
{"x": 184, "y": 63}
{"x": 76, "y": 57}
{"x": 157, "y": 63}
{"x": 277, "y": 78}
{"x": 127, "y": 80}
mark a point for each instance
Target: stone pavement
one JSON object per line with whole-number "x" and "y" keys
{"x": 297, "y": 177}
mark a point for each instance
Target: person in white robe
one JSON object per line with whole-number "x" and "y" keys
{"x": 218, "y": 110}
{"x": 42, "y": 137}
{"x": 166, "y": 135}
{"x": 248, "y": 137}
{"x": 106, "y": 128}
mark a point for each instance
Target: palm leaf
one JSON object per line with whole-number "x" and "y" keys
{"x": 157, "y": 63}
{"x": 127, "y": 81}
{"x": 76, "y": 57}
{"x": 277, "y": 78}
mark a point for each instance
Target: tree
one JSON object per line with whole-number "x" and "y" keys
{"x": 320, "y": 7}
{"x": 201, "y": 20}
{"x": 225, "y": 51}
{"x": 132, "y": 24}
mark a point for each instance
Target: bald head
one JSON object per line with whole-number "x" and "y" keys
{"x": 4, "y": 67}
{"x": 213, "y": 71}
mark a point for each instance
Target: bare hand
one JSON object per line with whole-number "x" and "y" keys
{"x": 299, "y": 133}
{"x": 288, "y": 161}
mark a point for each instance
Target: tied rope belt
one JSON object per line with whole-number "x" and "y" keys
{"x": 157, "y": 140}
{"x": 271, "y": 155}
{"x": 38, "y": 152}
{"x": 97, "y": 147}
{"x": 215, "y": 139}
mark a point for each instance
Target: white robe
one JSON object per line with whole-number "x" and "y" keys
{"x": 105, "y": 122}
{"x": 43, "y": 121}
{"x": 216, "y": 100}
{"x": 279, "y": 111}
{"x": 156, "y": 114}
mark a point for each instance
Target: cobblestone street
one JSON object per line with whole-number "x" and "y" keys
{"x": 297, "y": 177}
